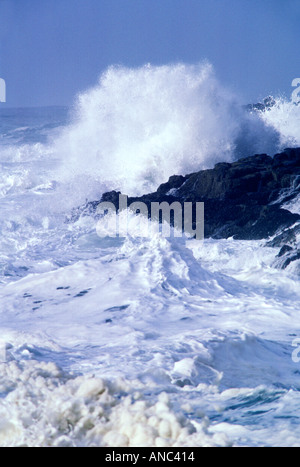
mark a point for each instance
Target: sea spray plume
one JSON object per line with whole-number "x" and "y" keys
{"x": 284, "y": 117}
{"x": 255, "y": 136}
{"x": 139, "y": 126}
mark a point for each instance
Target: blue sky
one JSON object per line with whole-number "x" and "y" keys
{"x": 51, "y": 50}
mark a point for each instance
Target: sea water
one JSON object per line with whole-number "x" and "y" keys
{"x": 140, "y": 341}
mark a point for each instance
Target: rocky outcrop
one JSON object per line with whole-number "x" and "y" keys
{"x": 288, "y": 244}
{"x": 243, "y": 199}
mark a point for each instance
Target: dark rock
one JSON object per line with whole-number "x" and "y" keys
{"x": 242, "y": 199}
{"x": 111, "y": 197}
{"x": 290, "y": 258}
{"x": 285, "y": 249}
{"x": 287, "y": 237}
{"x": 289, "y": 158}
{"x": 289, "y": 248}
{"x": 173, "y": 183}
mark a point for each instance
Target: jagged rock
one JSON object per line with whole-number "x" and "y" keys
{"x": 289, "y": 246}
{"x": 291, "y": 258}
{"x": 291, "y": 255}
{"x": 242, "y": 199}
{"x": 173, "y": 183}
{"x": 284, "y": 250}
{"x": 111, "y": 197}
{"x": 287, "y": 237}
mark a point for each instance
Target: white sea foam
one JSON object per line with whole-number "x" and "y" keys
{"x": 140, "y": 341}
{"x": 195, "y": 324}
{"x": 44, "y": 406}
{"x": 284, "y": 117}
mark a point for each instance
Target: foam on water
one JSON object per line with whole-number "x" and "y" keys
{"x": 88, "y": 411}
{"x": 139, "y": 341}
{"x": 195, "y": 323}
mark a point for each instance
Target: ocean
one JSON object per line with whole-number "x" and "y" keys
{"x": 140, "y": 341}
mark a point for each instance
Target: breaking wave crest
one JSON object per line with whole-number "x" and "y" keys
{"x": 139, "y": 126}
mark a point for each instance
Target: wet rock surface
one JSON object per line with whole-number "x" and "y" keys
{"x": 243, "y": 199}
